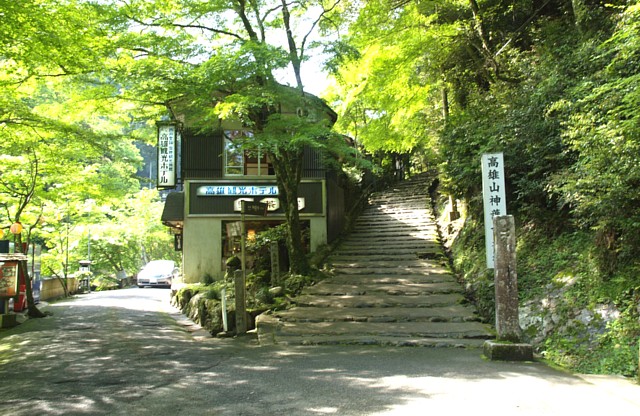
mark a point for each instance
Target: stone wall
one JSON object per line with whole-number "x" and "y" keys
{"x": 52, "y": 288}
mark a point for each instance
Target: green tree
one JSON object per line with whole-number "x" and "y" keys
{"x": 219, "y": 60}
{"x": 600, "y": 120}
{"x": 126, "y": 235}
{"x": 57, "y": 142}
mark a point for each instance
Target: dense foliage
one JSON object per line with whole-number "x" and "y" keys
{"x": 207, "y": 61}
{"x": 553, "y": 85}
{"x": 67, "y": 141}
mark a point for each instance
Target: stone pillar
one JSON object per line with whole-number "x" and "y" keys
{"x": 508, "y": 346}
{"x": 506, "y": 279}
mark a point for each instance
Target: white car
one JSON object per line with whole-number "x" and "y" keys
{"x": 157, "y": 273}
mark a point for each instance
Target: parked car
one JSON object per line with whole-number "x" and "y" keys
{"x": 158, "y": 273}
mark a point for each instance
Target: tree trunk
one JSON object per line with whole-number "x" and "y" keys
{"x": 23, "y": 270}
{"x": 65, "y": 285}
{"x": 445, "y": 104}
{"x": 32, "y": 309}
{"x": 288, "y": 167}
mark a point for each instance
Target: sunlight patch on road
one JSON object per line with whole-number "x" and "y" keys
{"x": 324, "y": 410}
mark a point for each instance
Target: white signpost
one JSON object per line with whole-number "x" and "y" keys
{"x": 167, "y": 138}
{"x": 495, "y": 202}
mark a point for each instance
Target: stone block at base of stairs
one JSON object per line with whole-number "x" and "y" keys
{"x": 267, "y": 328}
{"x": 506, "y": 351}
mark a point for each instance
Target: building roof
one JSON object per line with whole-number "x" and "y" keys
{"x": 12, "y": 257}
{"x": 173, "y": 212}
{"x": 289, "y": 98}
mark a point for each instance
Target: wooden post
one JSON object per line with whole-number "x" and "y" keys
{"x": 274, "y": 250}
{"x": 506, "y": 279}
{"x": 241, "y": 306}
{"x": 454, "y": 214}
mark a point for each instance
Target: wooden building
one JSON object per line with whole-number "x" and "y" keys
{"x": 211, "y": 174}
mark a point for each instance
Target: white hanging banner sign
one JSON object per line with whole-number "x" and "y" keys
{"x": 493, "y": 193}
{"x": 166, "y": 155}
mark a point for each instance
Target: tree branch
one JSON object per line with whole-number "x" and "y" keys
{"x": 313, "y": 25}
{"x": 186, "y": 26}
{"x": 522, "y": 27}
{"x": 242, "y": 13}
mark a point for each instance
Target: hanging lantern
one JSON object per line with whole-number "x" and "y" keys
{"x": 16, "y": 228}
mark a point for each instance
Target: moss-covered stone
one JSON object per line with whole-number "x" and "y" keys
{"x": 507, "y": 351}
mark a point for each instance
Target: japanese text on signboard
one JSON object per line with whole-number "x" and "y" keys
{"x": 166, "y": 155}
{"x": 494, "y": 198}
{"x": 237, "y": 190}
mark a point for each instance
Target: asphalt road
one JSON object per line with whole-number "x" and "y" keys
{"x": 127, "y": 352}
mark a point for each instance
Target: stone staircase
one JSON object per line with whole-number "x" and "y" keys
{"x": 390, "y": 285}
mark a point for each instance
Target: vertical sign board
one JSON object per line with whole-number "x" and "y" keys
{"x": 493, "y": 193}
{"x": 178, "y": 157}
{"x": 166, "y": 155}
{"x": 8, "y": 279}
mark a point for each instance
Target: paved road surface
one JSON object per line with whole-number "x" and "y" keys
{"x": 124, "y": 353}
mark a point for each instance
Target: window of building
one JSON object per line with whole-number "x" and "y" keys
{"x": 240, "y": 162}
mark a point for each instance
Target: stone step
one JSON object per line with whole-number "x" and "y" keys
{"x": 382, "y": 205}
{"x": 399, "y": 271}
{"x": 457, "y": 330}
{"x": 380, "y": 301}
{"x": 379, "y": 244}
{"x": 382, "y": 236}
{"x": 382, "y": 217}
{"x": 420, "y": 249}
{"x": 391, "y": 279}
{"x": 397, "y": 229}
{"x": 384, "y": 220}
{"x": 423, "y": 251}
{"x": 410, "y": 204}
{"x": 380, "y": 254}
{"x": 417, "y": 264}
{"x": 364, "y": 256}
{"x": 396, "y": 226}
{"x": 416, "y": 210}
{"x": 389, "y": 266}
{"x": 415, "y": 289}
{"x": 416, "y": 190}
{"x": 349, "y": 244}
{"x": 357, "y": 237}
{"x": 388, "y": 216}
{"x": 393, "y": 194}
{"x": 400, "y": 207}
{"x": 407, "y": 236}
{"x": 390, "y": 285}
{"x": 450, "y": 313}
{"x": 377, "y": 340}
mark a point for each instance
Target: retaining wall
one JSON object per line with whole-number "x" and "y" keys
{"x": 52, "y": 288}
